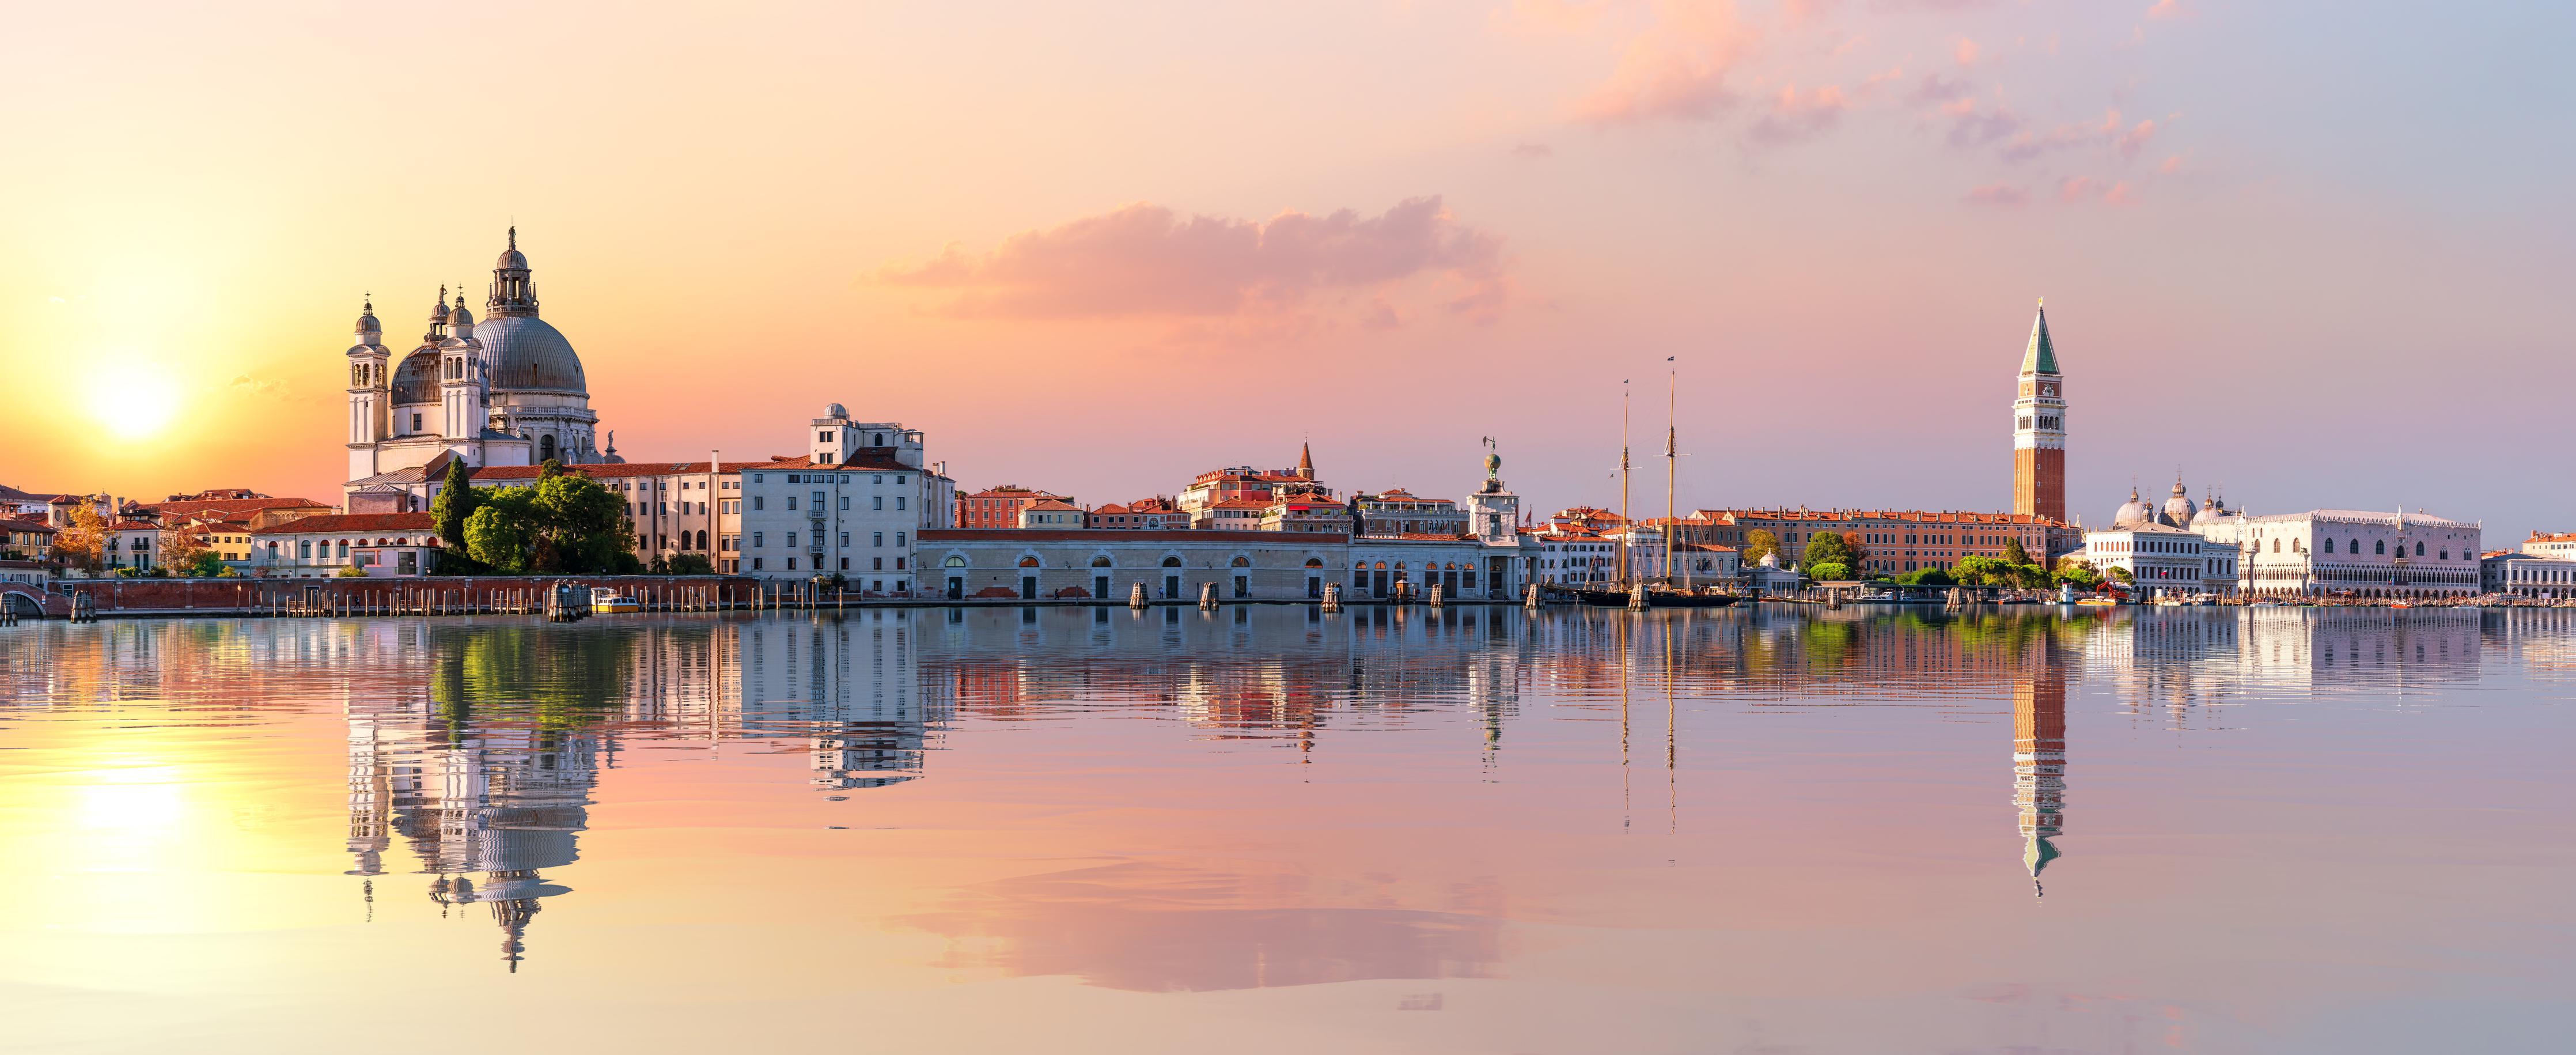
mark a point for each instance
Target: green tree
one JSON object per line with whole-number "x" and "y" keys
{"x": 2014, "y": 554}
{"x": 1757, "y": 542}
{"x": 1982, "y": 571}
{"x": 567, "y": 523}
{"x": 1826, "y": 547}
{"x": 207, "y": 564}
{"x": 1829, "y": 571}
{"x": 2077, "y": 572}
{"x": 2029, "y": 576}
{"x": 2121, "y": 575}
{"x": 455, "y": 503}
{"x": 1928, "y": 577}
{"x": 691, "y": 564}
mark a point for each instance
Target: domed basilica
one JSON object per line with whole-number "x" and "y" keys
{"x": 504, "y": 391}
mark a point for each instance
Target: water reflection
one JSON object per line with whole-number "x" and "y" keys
{"x": 477, "y": 748}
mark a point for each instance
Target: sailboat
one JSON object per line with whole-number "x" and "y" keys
{"x": 1679, "y": 594}
{"x": 1665, "y": 594}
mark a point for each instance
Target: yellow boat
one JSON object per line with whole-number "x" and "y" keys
{"x": 2097, "y": 602}
{"x": 605, "y": 601}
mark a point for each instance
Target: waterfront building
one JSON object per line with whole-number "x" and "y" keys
{"x": 1486, "y": 558}
{"x": 1216, "y": 487}
{"x": 24, "y": 505}
{"x": 1401, "y": 512}
{"x": 854, "y": 507}
{"x": 1891, "y": 542}
{"x": 1309, "y": 513}
{"x": 319, "y": 547}
{"x": 2159, "y": 556}
{"x": 2039, "y": 428}
{"x": 257, "y": 511}
{"x": 999, "y": 507}
{"x": 132, "y": 542}
{"x": 1569, "y": 558}
{"x": 2558, "y": 546}
{"x": 506, "y": 391}
{"x": 2527, "y": 575}
{"x": 2353, "y": 553}
{"x": 1143, "y": 514}
{"x": 24, "y": 538}
{"x": 26, "y": 548}
{"x": 1052, "y": 514}
{"x": 1591, "y": 520}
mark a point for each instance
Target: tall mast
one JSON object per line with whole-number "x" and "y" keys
{"x": 1627, "y": 526}
{"x": 1672, "y": 468}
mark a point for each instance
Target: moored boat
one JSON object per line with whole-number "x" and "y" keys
{"x": 607, "y": 601}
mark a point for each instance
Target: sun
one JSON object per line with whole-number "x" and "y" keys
{"x": 133, "y": 400}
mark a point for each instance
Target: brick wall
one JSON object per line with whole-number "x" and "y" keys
{"x": 171, "y": 596}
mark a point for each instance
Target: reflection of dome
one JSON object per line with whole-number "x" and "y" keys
{"x": 2133, "y": 512}
{"x": 527, "y": 352}
{"x": 416, "y": 380}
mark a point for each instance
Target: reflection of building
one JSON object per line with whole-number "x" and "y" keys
{"x": 2039, "y": 754}
{"x": 502, "y": 799}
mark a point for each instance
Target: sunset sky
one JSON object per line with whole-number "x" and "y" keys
{"x": 2317, "y": 252}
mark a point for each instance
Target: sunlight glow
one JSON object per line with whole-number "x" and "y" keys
{"x": 134, "y": 399}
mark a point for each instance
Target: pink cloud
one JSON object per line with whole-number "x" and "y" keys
{"x": 1998, "y": 194}
{"x": 2121, "y": 193}
{"x": 2073, "y": 189}
{"x": 2167, "y": 9}
{"x": 1935, "y": 89}
{"x": 1793, "y": 117}
{"x": 1148, "y": 261}
{"x": 1553, "y": 16}
{"x": 2172, "y": 165}
{"x": 2134, "y": 140}
{"x": 1677, "y": 69}
{"x": 1968, "y": 128}
{"x": 1966, "y": 52}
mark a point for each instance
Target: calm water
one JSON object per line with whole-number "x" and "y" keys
{"x": 1267, "y": 829}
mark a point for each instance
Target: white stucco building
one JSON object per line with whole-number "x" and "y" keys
{"x": 854, "y": 506}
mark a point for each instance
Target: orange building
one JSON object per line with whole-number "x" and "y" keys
{"x": 999, "y": 507}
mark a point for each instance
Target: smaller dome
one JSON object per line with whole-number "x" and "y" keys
{"x": 835, "y": 411}
{"x": 458, "y": 316}
{"x": 2133, "y": 513}
{"x": 510, "y": 257}
{"x": 2179, "y": 509}
{"x": 367, "y": 319}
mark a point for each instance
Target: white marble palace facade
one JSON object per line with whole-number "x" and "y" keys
{"x": 505, "y": 391}
{"x": 2349, "y": 552}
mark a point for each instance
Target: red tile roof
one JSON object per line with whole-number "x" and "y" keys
{"x": 17, "y": 524}
{"x": 354, "y": 522}
{"x": 234, "y": 505}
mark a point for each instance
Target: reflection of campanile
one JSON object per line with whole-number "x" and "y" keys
{"x": 2039, "y": 429}
{"x": 2039, "y": 755}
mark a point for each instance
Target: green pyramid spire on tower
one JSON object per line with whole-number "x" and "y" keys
{"x": 2041, "y": 356}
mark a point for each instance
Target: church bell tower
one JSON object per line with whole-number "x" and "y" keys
{"x": 2039, "y": 428}
{"x": 370, "y": 409}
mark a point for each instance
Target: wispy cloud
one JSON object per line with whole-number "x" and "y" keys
{"x": 1533, "y": 150}
{"x": 1677, "y": 70}
{"x": 1145, "y": 261}
{"x": 1998, "y": 194}
{"x": 1793, "y": 117}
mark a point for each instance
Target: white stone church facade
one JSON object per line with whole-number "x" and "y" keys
{"x": 505, "y": 391}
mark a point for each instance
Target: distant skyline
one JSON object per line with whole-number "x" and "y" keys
{"x": 2315, "y": 253}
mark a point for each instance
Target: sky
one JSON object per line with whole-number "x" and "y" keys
{"x": 2316, "y": 254}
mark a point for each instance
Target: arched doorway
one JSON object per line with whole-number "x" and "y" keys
{"x": 1100, "y": 568}
{"x": 546, "y": 448}
{"x": 956, "y": 568}
{"x": 1171, "y": 577}
{"x": 1028, "y": 578}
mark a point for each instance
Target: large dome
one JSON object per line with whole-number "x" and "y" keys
{"x": 416, "y": 380}
{"x": 528, "y": 354}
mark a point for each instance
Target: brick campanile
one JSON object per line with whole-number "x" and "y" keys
{"x": 2039, "y": 428}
